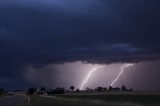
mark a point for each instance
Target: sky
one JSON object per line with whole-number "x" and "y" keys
{"x": 56, "y": 42}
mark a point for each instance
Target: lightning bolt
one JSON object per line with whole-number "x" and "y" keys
{"x": 88, "y": 76}
{"x": 121, "y": 72}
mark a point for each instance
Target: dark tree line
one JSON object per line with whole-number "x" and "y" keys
{"x": 43, "y": 90}
{"x": 56, "y": 91}
{"x": 110, "y": 88}
{"x": 60, "y": 90}
{"x": 2, "y": 91}
{"x": 31, "y": 91}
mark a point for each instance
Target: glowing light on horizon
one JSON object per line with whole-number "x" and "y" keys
{"x": 88, "y": 76}
{"x": 121, "y": 72}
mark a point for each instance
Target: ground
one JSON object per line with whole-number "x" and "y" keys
{"x": 14, "y": 100}
{"x": 86, "y": 99}
{"x": 97, "y": 100}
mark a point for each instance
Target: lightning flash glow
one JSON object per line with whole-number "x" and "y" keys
{"x": 88, "y": 76}
{"x": 121, "y": 72}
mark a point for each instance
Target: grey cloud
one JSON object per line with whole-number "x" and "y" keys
{"x": 39, "y": 33}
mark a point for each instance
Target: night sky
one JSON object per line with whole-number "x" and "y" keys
{"x": 56, "y": 42}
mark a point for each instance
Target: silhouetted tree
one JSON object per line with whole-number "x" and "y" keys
{"x": 123, "y": 88}
{"x": 77, "y": 90}
{"x": 104, "y": 88}
{"x": 110, "y": 88}
{"x": 113, "y": 89}
{"x": 117, "y": 89}
{"x": 88, "y": 89}
{"x": 130, "y": 90}
{"x": 99, "y": 89}
{"x": 59, "y": 90}
{"x": 43, "y": 89}
{"x": 56, "y": 91}
{"x": 72, "y": 88}
{"x": 2, "y": 90}
{"x": 31, "y": 91}
{"x": 50, "y": 91}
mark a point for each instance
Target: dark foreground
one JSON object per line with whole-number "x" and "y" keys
{"x": 98, "y": 100}
{"x": 83, "y": 100}
{"x": 15, "y": 100}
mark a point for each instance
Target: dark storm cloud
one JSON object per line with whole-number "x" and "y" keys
{"x": 99, "y": 31}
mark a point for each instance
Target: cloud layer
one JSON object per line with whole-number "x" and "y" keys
{"x": 42, "y": 32}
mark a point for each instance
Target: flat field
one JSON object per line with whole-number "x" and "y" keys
{"x": 129, "y": 99}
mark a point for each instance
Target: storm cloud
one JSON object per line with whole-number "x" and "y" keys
{"x": 42, "y": 32}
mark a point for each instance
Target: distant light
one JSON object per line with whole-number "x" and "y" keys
{"x": 88, "y": 76}
{"x": 121, "y": 72}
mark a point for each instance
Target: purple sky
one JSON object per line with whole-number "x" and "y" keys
{"x": 141, "y": 76}
{"x": 36, "y": 36}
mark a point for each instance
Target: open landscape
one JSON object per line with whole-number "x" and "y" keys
{"x": 81, "y": 98}
{"x": 97, "y": 100}
{"x": 79, "y": 52}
